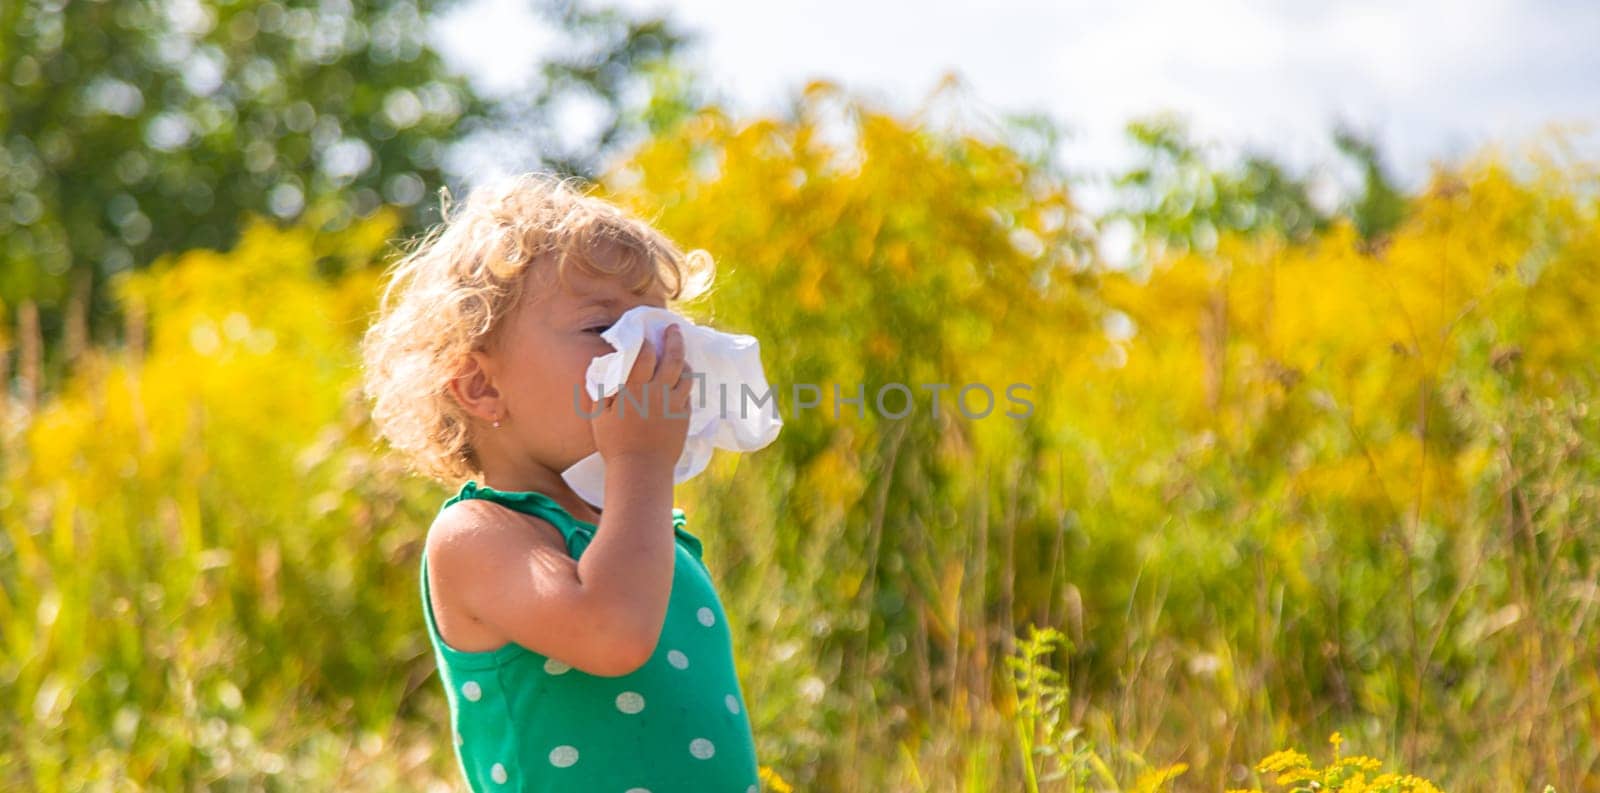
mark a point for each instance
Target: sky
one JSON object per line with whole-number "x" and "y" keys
{"x": 1429, "y": 80}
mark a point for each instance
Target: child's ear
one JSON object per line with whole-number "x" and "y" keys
{"x": 474, "y": 389}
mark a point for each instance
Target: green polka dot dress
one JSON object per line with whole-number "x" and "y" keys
{"x": 527, "y": 722}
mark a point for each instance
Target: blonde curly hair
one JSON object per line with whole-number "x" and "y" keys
{"x": 454, "y": 289}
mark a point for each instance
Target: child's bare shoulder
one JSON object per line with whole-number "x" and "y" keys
{"x": 473, "y": 530}
{"x": 494, "y": 571}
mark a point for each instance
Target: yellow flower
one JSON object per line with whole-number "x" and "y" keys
{"x": 1293, "y": 775}
{"x": 1280, "y": 760}
{"x": 1418, "y": 784}
{"x": 1362, "y": 762}
{"x": 1156, "y": 778}
{"x": 770, "y": 780}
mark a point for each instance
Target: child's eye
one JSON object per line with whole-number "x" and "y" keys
{"x": 597, "y": 329}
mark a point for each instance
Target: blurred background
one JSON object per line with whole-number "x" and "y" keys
{"x": 1306, "y": 299}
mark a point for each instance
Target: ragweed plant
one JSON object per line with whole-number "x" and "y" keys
{"x": 1054, "y": 750}
{"x": 1353, "y": 774}
{"x": 1047, "y": 742}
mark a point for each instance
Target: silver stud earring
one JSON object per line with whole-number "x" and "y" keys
{"x": 497, "y": 422}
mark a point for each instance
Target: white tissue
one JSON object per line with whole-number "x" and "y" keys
{"x": 730, "y": 363}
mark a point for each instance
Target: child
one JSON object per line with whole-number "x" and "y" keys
{"x": 580, "y": 649}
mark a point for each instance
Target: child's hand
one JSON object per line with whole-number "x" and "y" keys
{"x": 621, "y": 431}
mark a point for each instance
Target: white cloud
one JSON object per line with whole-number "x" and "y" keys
{"x": 1429, "y": 78}
{"x": 497, "y": 43}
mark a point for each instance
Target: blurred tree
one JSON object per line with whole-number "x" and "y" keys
{"x": 129, "y": 129}
{"x": 1380, "y": 206}
{"x": 1037, "y": 138}
{"x": 133, "y": 129}
{"x": 625, "y": 69}
{"x": 1177, "y": 200}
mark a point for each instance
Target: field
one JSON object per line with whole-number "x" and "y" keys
{"x": 1336, "y": 493}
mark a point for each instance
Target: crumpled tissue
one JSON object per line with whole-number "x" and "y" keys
{"x": 730, "y": 362}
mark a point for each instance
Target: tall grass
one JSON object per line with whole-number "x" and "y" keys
{"x": 1321, "y": 488}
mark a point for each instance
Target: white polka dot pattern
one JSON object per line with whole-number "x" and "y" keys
{"x": 630, "y": 702}
{"x": 563, "y": 756}
{"x": 471, "y": 691}
{"x": 707, "y": 618}
{"x": 751, "y": 789}
{"x": 638, "y": 790}
{"x": 732, "y": 702}
{"x": 702, "y": 748}
{"x": 678, "y": 660}
{"x": 498, "y": 774}
{"x": 554, "y": 667}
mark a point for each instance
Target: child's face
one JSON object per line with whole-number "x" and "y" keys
{"x": 542, "y": 359}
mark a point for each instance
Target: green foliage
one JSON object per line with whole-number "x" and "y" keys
{"x": 621, "y": 54}
{"x": 1178, "y": 200}
{"x": 137, "y": 128}
{"x": 1381, "y": 207}
{"x": 1041, "y": 718}
{"x": 133, "y": 129}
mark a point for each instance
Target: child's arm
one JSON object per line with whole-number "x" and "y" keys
{"x": 601, "y": 614}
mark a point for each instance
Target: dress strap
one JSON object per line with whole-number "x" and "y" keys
{"x": 530, "y": 502}
{"x": 578, "y": 533}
